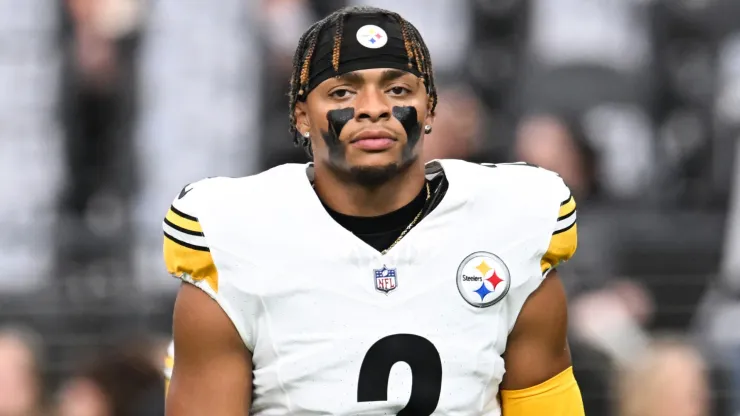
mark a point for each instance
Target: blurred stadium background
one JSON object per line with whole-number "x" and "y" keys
{"x": 109, "y": 107}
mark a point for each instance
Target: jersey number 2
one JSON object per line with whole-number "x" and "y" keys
{"x": 426, "y": 372}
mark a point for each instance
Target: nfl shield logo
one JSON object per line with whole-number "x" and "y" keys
{"x": 385, "y": 279}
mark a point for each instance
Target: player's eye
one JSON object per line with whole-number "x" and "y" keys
{"x": 340, "y": 93}
{"x": 398, "y": 90}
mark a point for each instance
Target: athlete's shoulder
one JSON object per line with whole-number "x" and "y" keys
{"x": 190, "y": 199}
{"x": 519, "y": 180}
{"x": 546, "y": 184}
{"x": 527, "y": 174}
{"x": 539, "y": 184}
{"x": 195, "y": 196}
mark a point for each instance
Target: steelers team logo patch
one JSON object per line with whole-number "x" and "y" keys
{"x": 371, "y": 36}
{"x": 483, "y": 279}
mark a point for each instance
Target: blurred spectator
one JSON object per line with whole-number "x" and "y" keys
{"x": 554, "y": 144}
{"x": 21, "y": 385}
{"x": 612, "y": 320}
{"x": 122, "y": 382}
{"x": 668, "y": 378}
{"x": 97, "y": 106}
{"x": 456, "y": 127}
{"x": 606, "y": 331}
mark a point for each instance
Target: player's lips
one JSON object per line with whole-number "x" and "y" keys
{"x": 373, "y": 140}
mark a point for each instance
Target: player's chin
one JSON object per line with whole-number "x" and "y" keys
{"x": 371, "y": 160}
{"x": 373, "y": 175}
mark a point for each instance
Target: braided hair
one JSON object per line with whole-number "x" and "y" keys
{"x": 416, "y": 51}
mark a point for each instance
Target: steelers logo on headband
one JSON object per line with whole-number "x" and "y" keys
{"x": 374, "y": 40}
{"x": 371, "y": 36}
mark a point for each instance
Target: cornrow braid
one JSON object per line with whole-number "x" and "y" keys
{"x": 307, "y": 62}
{"x": 419, "y": 59}
{"x": 407, "y": 42}
{"x": 428, "y": 72}
{"x": 337, "y": 42}
{"x": 416, "y": 51}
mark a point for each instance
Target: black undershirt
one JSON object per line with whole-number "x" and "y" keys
{"x": 381, "y": 231}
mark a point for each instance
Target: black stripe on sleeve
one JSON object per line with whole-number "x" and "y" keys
{"x": 186, "y": 245}
{"x": 182, "y": 214}
{"x": 183, "y": 230}
{"x": 567, "y": 215}
{"x": 565, "y": 229}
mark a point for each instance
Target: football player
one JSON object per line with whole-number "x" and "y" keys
{"x": 367, "y": 282}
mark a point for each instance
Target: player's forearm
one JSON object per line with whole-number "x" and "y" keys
{"x": 558, "y": 396}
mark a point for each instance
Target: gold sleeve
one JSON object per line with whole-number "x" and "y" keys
{"x": 564, "y": 240}
{"x": 186, "y": 252}
{"x": 558, "y": 396}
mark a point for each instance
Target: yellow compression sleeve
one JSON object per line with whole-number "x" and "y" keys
{"x": 558, "y": 396}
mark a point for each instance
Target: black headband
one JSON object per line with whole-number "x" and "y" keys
{"x": 368, "y": 41}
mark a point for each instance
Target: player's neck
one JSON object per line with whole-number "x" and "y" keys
{"x": 356, "y": 200}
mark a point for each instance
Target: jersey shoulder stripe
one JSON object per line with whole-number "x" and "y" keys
{"x": 564, "y": 240}
{"x": 566, "y": 216}
{"x": 184, "y": 229}
{"x": 183, "y": 220}
{"x": 186, "y": 251}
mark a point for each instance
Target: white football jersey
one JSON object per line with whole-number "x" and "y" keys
{"x": 336, "y": 327}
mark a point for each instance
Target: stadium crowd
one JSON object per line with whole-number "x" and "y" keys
{"x": 110, "y": 107}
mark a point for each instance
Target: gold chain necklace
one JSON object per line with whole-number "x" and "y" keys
{"x": 411, "y": 225}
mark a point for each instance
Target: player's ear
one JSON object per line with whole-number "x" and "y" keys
{"x": 302, "y": 122}
{"x": 429, "y": 119}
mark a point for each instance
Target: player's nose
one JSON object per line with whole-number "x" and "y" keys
{"x": 372, "y": 105}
